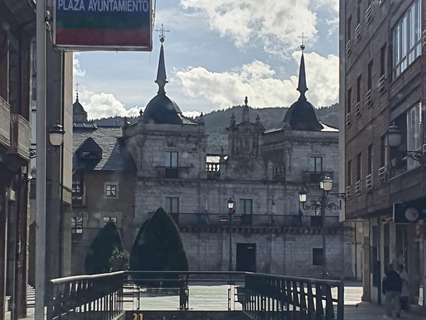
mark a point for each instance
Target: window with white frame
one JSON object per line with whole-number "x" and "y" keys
{"x": 111, "y": 190}
{"x": 414, "y": 132}
{"x": 77, "y": 225}
{"x": 406, "y": 36}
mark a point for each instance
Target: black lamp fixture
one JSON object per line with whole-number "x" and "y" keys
{"x": 56, "y": 135}
{"x": 302, "y": 196}
{"x": 394, "y": 142}
{"x": 231, "y": 204}
{"x": 326, "y": 184}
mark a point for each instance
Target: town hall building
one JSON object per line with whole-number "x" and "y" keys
{"x": 126, "y": 173}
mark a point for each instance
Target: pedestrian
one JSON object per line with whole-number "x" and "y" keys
{"x": 391, "y": 287}
{"x": 405, "y": 292}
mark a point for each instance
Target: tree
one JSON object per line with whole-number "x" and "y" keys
{"x": 158, "y": 246}
{"x": 102, "y": 250}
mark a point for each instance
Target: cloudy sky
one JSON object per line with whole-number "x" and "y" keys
{"x": 217, "y": 52}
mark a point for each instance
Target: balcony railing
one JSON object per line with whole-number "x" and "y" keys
{"x": 4, "y": 122}
{"x": 382, "y": 172}
{"x": 315, "y": 176}
{"x": 369, "y": 182}
{"x": 348, "y": 119}
{"x": 358, "y": 109}
{"x": 381, "y": 84}
{"x": 348, "y": 48}
{"x": 358, "y": 31}
{"x": 130, "y": 294}
{"x": 20, "y": 136}
{"x": 369, "y": 13}
{"x": 253, "y": 220}
{"x": 369, "y": 98}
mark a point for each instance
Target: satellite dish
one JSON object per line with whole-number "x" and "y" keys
{"x": 412, "y": 214}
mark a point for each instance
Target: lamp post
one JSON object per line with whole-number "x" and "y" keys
{"x": 56, "y": 139}
{"x": 231, "y": 210}
{"x": 326, "y": 185}
{"x": 394, "y": 142}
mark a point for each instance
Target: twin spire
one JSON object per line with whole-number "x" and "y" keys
{"x": 161, "y": 73}
{"x": 302, "y": 87}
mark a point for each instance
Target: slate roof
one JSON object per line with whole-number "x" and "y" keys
{"x": 114, "y": 154}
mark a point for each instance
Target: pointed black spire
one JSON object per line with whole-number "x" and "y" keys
{"x": 302, "y": 87}
{"x": 161, "y": 74}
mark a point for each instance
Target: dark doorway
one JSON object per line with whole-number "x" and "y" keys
{"x": 246, "y": 257}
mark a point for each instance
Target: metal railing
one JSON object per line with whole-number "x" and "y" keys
{"x": 253, "y": 220}
{"x": 4, "y": 122}
{"x": 259, "y": 296}
{"x": 86, "y": 297}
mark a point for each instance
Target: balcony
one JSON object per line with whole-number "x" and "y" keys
{"x": 167, "y": 172}
{"x": 369, "y": 182}
{"x": 213, "y": 170}
{"x": 369, "y": 13}
{"x": 20, "y": 136}
{"x": 358, "y": 109}
{"x": 357, "y": 187}
{"x": 382, "y": 174}
{"x": 381, "y": 84}
{"x": 4, "y": 123}
{"x": 315, "y": 176}
{"x": 368, "y": 98}
{"x": 348, "y": 191}
{"x": 217, "y": 221}
{"x": 348, "y": 48}
{"x": 358, "y": 31}
{"x": 348, "y": 119}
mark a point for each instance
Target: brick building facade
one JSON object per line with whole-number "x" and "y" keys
{"x": 382, "y": 78}
{"x": 160, "y": 160}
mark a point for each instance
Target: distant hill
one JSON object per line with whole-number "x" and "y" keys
{"x": 216, "y": 122}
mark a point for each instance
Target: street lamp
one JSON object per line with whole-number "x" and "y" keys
{"x": 231, "y": 210}
{"x": 56, "y": 139}
{"x": 302, "y": 197}
{"x": 394, "y": 142}
{"x": 326, "y": 185}
{"x": 56, "y": 135}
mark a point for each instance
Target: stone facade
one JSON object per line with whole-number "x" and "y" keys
{"x": 263, "y": 172}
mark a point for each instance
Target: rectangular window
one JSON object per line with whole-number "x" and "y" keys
{"x": 349, "y": 173}
{"x": 246, "y": 206}
{"x": 110, "y": 219}
{"x": 172, "y": 158}
{"x": 370, "y": 159}
{"x": 414, "y": 132}
{"x": 349, "y": 28}
{"x": 406, "y": 36}
{"x": 76, "y": 188}
{"x": 111, "y": 190}
{"x": 383, "y": 60}
{"x": 316, "y": 164}
{"x": 172, "y": 205}
{"x": 349, "y": 102}
{"x": 317, "y": 256}
{"x": 358, "y": 88}
{"x": 358, "y": 166}
{"x": 370, "y": 75}
{"x": 77, "y": 225}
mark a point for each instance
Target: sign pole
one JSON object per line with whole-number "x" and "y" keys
{"x": 40, "y": 275}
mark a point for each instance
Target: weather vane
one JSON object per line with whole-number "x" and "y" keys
{"x": 302, "y": 46}
{"x": 162, "y": 31}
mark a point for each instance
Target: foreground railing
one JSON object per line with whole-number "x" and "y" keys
{"x": 258, "y": 296}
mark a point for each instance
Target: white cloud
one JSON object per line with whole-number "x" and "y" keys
{"x": 103, "y": 105}
{"x": 277, "y": 24}
{"x": 78, "y": 71}
{"x": 259, "y": 82}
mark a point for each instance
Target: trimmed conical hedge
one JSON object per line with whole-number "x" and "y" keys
{"x": 102, "y": 249}
{"x": 158, "y": 246}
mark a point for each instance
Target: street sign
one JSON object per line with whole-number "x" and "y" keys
{"x": 116, "y": 25}
{"x": 405, "y": 213}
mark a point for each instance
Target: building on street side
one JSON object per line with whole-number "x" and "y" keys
{"x": 382, "y": 99}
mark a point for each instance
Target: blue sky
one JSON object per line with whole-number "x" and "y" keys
{"x": 216, "y": 53}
